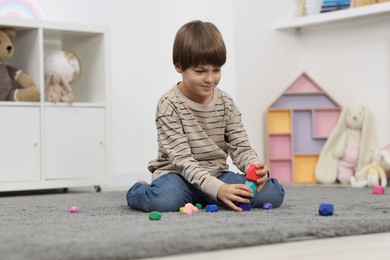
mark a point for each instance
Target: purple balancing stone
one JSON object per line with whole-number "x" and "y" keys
{"x": 245, "y": 206}
{"x": 267, "y": 206}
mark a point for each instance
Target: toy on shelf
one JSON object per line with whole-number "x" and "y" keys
{"x": 372, "y": 174}
{"x": 349, "y": 146}
{"x": 298, "y": 124}
{"x": 26, "y": 89}
{"x": 62, "y": 68}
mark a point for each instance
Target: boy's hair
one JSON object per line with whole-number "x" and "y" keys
{"x": 198, "y": 43}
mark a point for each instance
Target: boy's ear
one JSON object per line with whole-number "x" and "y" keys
{"x": 178, "y": 68}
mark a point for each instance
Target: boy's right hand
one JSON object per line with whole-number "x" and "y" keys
{"x": 229, "y": 194}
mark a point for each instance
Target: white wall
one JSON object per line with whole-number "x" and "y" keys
{"x": 142, "y": 37}
{"x": 351, "y": 62}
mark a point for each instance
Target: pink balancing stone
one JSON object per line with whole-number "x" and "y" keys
{"x": 377, "y": 189}
{"x": 74, "y": 209}
{"x": 189, "y": 209}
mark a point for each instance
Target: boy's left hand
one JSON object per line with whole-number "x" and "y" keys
{"x": 262, "y": 172}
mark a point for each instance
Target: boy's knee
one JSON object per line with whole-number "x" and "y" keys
{"x": 272, "y": 192}
{"x": 278, "y": 192}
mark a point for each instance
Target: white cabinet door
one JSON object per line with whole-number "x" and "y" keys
{"x": 74, "y": 141}
{"x": 19, "y": 144}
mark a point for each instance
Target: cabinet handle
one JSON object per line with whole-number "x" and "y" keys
{"x": 35, "y": 143}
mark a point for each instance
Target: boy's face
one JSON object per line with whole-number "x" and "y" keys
{"x": 199, "y": 82}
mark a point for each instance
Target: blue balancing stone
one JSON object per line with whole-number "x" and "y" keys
{"x": 212, "y": 208}
{"x": 326, "y": 209}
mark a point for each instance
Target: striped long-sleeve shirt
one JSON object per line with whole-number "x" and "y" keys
{"x": 194, "y": 140}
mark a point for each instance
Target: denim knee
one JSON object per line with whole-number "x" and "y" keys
{"x": 272, "y": 192}
{"x": 167, "y": 193}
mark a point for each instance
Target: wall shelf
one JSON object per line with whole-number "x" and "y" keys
{"x": 357, "y": 13}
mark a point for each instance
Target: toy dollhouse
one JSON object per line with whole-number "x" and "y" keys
{"x": 298, "y": 124}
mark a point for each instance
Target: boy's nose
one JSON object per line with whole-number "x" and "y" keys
{"x": 208, "y": 78}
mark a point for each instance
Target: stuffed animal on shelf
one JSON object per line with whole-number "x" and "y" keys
{"x": 62, "y": 68}
{"x": 372, "y": 174}
{"x": 25, "y": 89}
{"x": 348, "y": 147}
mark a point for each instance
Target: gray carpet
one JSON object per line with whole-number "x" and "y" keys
{"x": 40, "y": 226}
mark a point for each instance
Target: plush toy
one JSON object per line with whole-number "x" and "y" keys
{"x": 25, "y": 89}
{"x": 348, "y": 147}
{"x": 372, "y": 174}
{"x": 385, "y": 163}
{"x": 62, "y": 67}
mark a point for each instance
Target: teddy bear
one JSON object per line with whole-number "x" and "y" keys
{"x": 25, "y": 89}
{"x": 372, "y": 174}
{"x": 62, "y": 67}
{"x": 348, "y": 147}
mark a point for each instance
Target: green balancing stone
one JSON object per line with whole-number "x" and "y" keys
{"x": 155, "y": 215}
{"x": 252, "y": 185}
{"x": 198, "y": 205}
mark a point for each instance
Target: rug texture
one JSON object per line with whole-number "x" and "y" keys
{"x": 41, "y": 227}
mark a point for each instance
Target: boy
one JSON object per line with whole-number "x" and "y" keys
{"x": 198, "y": 126}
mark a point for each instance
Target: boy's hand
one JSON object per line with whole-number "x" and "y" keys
{"x": 262, "y": 172}
{"x": 232, "y": 193}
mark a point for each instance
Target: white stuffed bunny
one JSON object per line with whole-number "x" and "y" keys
{"x": 348, "y": 147}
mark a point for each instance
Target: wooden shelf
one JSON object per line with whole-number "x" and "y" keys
{"x": 357, "y": 13}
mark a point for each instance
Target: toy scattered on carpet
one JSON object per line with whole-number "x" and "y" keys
{"x": 267, "y": 206}
{"x": 348, "y": 148}
{"x": 26, "y": 89}
{"x": 155, "y": 215}
{"x": 377, "y": 189}
{"x": 189, "y": 209}
{"x": 198, "y": 205}
{"x": 212, "y": 208}
{"x": 74, "y": 209}
{"x": 62, "y": 68}
{"x": 326, "y": 209}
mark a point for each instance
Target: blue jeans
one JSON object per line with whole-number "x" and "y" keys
{"x": 171, "y": 191}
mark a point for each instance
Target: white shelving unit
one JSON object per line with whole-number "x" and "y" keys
{"x": 46, "y": 145}
{"x": 365, "y": 12}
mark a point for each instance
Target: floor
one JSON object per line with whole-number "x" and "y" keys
{"x": 373, "y": 246}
